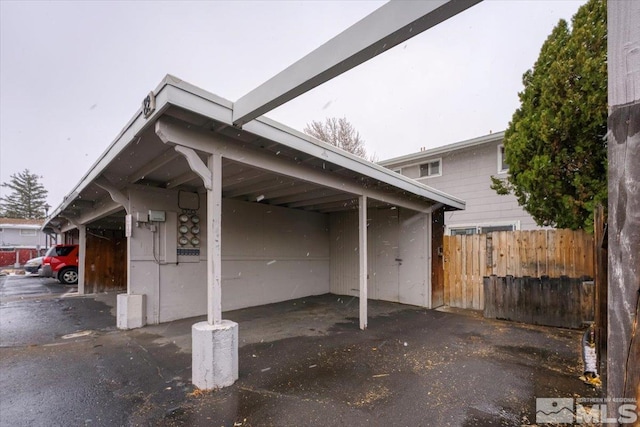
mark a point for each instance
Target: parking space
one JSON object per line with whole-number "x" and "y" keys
{"x": 302, "y": 362}
{"x": 28, "y": 286}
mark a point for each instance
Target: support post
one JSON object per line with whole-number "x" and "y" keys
{"x": 214, "y": 343}
{"x": 214, "y": 258}
{"x": 362, "y": 250}
{"x": 82, "y": 258}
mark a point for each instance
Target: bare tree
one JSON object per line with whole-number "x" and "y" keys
{"x": 338, "y": 132}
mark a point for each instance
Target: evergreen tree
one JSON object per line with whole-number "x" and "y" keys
{"x": 27, "y": 199}
{"x": 555, "y": 144}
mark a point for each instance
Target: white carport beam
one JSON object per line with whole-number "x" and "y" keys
{"x": 103, "y": 208}
{"x": 181, "y": 179}
{"x": 362, "y": 252}
{"x": 171, "y": 133}
{"x": 152, "y": 166}
{"x": 320, "y": 201}
{"x": 296, "y": 191}
{"x": 386, "y": 27}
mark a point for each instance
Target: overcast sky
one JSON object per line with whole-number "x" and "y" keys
{"x": 73, "y": 73}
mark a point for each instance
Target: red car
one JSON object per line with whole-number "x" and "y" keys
{"x": 61, "y": 262}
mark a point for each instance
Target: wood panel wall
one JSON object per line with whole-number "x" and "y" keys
{"x": 535, "y": 253}
{"x": 437, "y": 258}
{"x": 106, "y": 261}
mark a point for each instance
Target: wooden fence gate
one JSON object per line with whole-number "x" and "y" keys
{"x": 535, "y": 253}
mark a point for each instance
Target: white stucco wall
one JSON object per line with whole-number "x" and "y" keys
{"x": 269, "y": 254}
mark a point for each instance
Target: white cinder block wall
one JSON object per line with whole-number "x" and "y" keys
{"x": 269, "y": 254}
{"x": 272, "y": 254}
{"x": 173, "y": 290}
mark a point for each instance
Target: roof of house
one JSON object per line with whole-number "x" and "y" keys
{"x": 21, "y": 223}
{"x": 200, "y": 109}
{"x": 461, "y": 145}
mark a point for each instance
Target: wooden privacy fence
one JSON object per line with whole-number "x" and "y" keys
{"x": 535, "y": 253}
{"x": 563, "y": 302}
{"x": 106, "y": 261}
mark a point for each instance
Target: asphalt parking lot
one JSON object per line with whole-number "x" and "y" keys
{"x": 302, "y": 362}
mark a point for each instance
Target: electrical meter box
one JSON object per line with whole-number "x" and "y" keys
{"x": 157, "y": 216}
{"x": 188, "y": 236}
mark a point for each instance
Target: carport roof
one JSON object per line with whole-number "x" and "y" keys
{"x": 138, "y": 157}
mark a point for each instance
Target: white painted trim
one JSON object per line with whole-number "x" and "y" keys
{"x": 20, "y": 227}
{"x": 416, "y": 158}
{"x": 429, "y": 162}
{"x": 478, "y": 225}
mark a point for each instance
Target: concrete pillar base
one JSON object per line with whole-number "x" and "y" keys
{"x": 214, "y": 356}
{"x": 131, "y": 311}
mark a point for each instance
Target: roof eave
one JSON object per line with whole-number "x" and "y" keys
{"x": 173, "y": 91}
{"x": 461, "y": 145}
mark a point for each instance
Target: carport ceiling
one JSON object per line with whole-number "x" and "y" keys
{"x": 149, "y": 162}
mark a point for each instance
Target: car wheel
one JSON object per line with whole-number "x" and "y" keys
{"x": 68, "y": 276}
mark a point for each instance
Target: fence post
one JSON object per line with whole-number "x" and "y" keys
{"x": 536, "y": 300}
{"x": 489, "y": 284}
{"x": 587, "y": 301}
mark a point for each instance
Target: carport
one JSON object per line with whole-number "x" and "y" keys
{"x": 275, "y": 183}
{"x": 223, "y": 210}
{"x": 282, "y": 215}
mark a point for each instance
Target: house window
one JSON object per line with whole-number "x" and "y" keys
{"x": 432, "y": 168}
{"x": 492, "y": 228}
{"x": 467, "y": 231}
{"x": 502, "y": 163}
{"x": 27, "y": 232}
